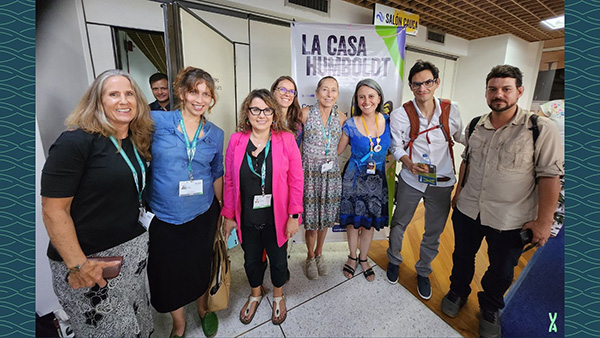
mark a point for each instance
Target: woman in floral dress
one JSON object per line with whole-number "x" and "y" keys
{"x": 322, "y": 180}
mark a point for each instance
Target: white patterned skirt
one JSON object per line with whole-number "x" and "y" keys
{"x": 121, "y": 308}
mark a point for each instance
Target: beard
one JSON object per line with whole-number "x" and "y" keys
{"x": 499, "y": 110}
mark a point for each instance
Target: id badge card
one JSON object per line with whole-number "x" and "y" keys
{"x": 371, "y": 166}
{"x": 145, "y": 218}
{"x": 327, "y": 166}
{"x": 430, "y": 177}
{"x": 262, "y": 201}
{"x": 190, "y": 188}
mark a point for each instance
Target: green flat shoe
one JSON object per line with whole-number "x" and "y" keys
{"x": 176, "y": 336}
{"x": 210, "y": 324}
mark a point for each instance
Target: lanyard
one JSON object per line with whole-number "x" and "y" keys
{"x": 326, "y": 134}
{"x": 376, "y": 132}
{"x": 191, "y": 149}
{"x": 263, "y": 170}
{"x": 133, "y": 171}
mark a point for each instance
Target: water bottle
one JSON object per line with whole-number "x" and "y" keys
{"x": 426, "y": 159}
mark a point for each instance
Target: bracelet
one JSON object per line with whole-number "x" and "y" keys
{"x": 77, "y": 267}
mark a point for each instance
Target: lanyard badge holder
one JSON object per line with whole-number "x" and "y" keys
{"x": 191, "y": 187}
{"x": 261, "y": 201}
{"x": 372, "y": 165}
{"x": 145, "y": 217}
{"x": 327, "y": 166}
{"x": 429, "y": 177}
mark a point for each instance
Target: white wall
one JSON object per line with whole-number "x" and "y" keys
{"x": 63, "y": 65}
{"x": 486, "y": 53}
{"x": 526, "y": 56}
{"x": 340, "y": 11}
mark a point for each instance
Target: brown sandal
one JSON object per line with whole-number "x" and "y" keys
{"x": 277, "y": 310}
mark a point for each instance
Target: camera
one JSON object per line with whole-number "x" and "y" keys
{"x": 526, "y": 236}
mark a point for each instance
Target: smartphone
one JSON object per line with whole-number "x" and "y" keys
{"x": 110, "y": 271}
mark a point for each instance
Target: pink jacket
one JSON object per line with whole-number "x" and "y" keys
{"x": 288, "y": 180}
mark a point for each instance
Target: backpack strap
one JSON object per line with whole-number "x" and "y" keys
{"x": 535, "y": 131}
{"x": 472, "y": 126}
{"x": 413, "y": 117}
{"x": 445, "y": 105}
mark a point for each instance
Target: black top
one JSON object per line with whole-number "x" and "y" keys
{"x": 250, "y": 186}
{"x": 89, "y": 168}
{"x": 156, "y": 106}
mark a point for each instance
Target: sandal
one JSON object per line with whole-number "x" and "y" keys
{"x": 277, "y": 310}
{"x": 369, "y": 272}
{"x": 251, "y": 299}
{"x": 348, "y": 269}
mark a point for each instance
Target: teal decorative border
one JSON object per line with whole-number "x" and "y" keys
{"x": 17, "y": 168}
{"x": 582, "y": 268}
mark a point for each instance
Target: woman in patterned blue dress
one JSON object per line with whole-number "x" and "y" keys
{"x": 364, "y": 206}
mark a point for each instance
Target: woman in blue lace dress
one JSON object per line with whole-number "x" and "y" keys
{"x": 364, "y": 206}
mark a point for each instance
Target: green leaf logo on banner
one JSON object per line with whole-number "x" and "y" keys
{"x": 395, "y": 39}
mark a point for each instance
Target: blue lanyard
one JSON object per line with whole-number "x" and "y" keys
{"x": 263, "y": 170}
{"x": 191, "y": 148}
{"x": 133, "y": 171}
{"x": 326, "y": 134}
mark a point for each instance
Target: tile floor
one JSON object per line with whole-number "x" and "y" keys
{"x": 330, "y": 306}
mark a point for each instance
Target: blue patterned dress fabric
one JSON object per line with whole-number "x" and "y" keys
{"x": 365, "y": 196}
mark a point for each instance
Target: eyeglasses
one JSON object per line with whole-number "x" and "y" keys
{"x": 283, "y": 91}
{"x": 256, "y": 111}
{"x": 428, "y": 84}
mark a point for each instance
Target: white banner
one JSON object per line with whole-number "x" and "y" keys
{"x": 349, "y": 53}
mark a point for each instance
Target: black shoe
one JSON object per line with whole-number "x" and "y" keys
{"x": 489, "y": 324}
{"x": 392, "y": 273}
{"x": 452, "y": 303}
{"x": 423, "y": 287}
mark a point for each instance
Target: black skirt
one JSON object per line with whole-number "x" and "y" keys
{"x": 180, "y": 259}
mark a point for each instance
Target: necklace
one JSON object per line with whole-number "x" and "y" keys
{"x": 377, "y": 148}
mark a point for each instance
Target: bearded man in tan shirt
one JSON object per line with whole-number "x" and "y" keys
{"x": 511, "y": 184}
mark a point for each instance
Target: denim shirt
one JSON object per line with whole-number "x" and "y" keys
{"x": 169, "y": 166}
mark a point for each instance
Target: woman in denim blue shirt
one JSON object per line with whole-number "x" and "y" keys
{"x": 185, "y": 192}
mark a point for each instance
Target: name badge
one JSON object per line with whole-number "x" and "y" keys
{"x": 327, "y": 166}
{"x": 190, "y": 188}
{"x": 371, "y": 168}
{"x": 262, "y": 201}
{"x": 429, "y": 177}
{"x": 145, "y": 218}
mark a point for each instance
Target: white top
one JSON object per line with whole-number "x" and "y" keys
{"x": 432, "y": 143}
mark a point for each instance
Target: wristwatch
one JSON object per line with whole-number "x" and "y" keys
{"x": 294, "y": 216}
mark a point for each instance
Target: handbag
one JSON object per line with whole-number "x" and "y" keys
{"x": 218, "y": 289}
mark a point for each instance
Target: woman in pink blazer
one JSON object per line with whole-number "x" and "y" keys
{"x": 265, "y": 209}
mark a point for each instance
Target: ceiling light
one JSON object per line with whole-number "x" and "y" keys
{"x": 555, "y": 23}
